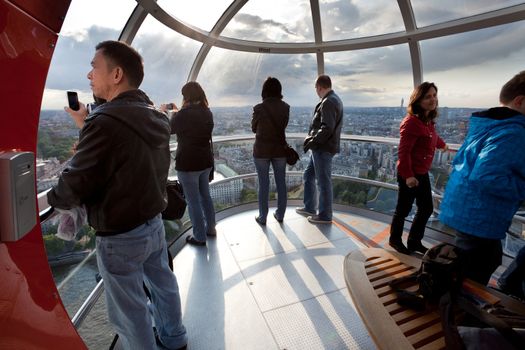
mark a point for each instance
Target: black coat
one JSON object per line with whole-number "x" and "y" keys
{"x": 193, "y": 126}
{"x": 270, "y": 138}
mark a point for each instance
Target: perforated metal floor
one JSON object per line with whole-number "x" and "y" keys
{"x": 278, "y": 286}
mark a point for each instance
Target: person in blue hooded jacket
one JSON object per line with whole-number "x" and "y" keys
{"x": 487, "y": 183}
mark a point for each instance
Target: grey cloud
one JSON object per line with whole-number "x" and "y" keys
{"x": 339, "y": 19}
{"x": 167, "y": 62}
{"x": 72, "y": 57}
{"x": 255, "y": 28}
{"x": 256, "y": 22}
{"x": 369, "y": 90}
{"x": 473, "y": 48}
{"x": 430, "y": 12}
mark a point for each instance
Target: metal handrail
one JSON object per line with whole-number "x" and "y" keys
{"x": 88, "y": 304}
{"x": 301, "y": 136}
{"x": 42, "y": 199}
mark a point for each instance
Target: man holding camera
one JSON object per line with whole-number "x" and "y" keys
{"x": 119, "y": 173}
{"x": 324, "y": 142}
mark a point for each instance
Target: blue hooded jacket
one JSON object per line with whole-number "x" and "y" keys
{"x": 487, "y": 183}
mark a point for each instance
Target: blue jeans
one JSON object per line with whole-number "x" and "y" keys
{"x": 127, "y": 260}
{"x": 262, "y": 165}
{"x": 196, "y": 188}
{"x": 319, "y": 169}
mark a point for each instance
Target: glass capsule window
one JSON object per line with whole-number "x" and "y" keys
{"x": 168, "y": 57}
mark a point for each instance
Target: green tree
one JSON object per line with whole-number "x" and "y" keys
{"x": 54, "y": 245}
{"x": 248, "y": 195}
{"x": 51, "y": 144}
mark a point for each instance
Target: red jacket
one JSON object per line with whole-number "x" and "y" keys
{"x": 417, "y": 143}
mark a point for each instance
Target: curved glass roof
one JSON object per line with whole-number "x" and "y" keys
{"x": 375, "y": 51}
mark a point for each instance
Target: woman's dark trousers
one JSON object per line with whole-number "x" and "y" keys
{"x": 422, "y": 194}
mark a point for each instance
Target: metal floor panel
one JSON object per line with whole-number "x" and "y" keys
{"x": 279, "y": 286}
{"x": 218, "y": 309}
{"x": 329, "y": 321}
{"x": 249, "y": 240}
{"x": 296, "y": 276}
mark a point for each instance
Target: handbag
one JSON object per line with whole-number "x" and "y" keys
{"x": 176, "y": 201}
{"x": 291, "y": 154}
{"x": 212, "y": 172}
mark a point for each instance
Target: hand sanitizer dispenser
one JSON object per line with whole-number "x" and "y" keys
{"x": 17, "y": 195}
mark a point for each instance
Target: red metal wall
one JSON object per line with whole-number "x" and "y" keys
{"x": 31, "y": 313}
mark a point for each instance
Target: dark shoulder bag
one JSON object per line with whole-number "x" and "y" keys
{"x": 212, "y": 172}
{"x": 176, "y": 201}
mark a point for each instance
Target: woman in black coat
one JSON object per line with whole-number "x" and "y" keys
{"x": 269, "y": 122}
{"x": 193, "y": 124}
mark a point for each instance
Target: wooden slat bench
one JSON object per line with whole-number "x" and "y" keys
{"x": 367, "y": 274}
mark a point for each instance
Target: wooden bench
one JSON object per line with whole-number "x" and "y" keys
{"x": 367, "y": 274}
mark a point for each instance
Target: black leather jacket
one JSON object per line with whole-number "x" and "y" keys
{"x": 270, "y": 137}
{"x": 120, "y": 168}
{"x": 325, "y": 129}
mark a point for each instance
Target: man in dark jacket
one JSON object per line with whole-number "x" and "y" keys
{"x": 324, "y": 140}
{"x": 119, "y": 173}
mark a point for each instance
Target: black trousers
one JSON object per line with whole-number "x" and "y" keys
{"x": 483, "y": 256}
{"x": 422, "y": 194}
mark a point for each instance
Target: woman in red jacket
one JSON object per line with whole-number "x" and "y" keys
{"x": 418, "y": 141}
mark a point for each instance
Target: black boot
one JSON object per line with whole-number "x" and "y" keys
{"x": 416, "y": 246}
{"x": 398, "y": 245}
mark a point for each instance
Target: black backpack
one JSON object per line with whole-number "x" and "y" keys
{"x": 441, "y": 271}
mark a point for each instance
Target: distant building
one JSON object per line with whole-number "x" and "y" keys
{"x": 227, "y": 193}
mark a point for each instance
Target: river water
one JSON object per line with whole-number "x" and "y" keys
{"x": 75, "y": 283}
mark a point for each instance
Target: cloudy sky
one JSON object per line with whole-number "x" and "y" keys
{"x": 468, "y": 68}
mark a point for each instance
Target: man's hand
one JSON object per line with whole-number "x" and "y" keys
{"x": 78, "y": 116}
{"x": 307, "y": 144}
{"x": 411, "y": 182}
